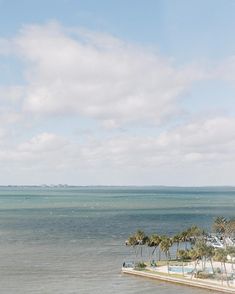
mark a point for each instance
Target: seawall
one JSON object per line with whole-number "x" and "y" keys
{"x": 184, "y": 281}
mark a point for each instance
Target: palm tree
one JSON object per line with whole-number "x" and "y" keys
{"x": 194, "y": 255}
{"x": 131, "y": 241}
{"x": 184, "y": 238}
{"x": 140, "y": 235}
{"x": 202, "y": 250}
{"x": 176, "y": 239}
{"x": 231, "y": 253}
{"x": 141, "y": 239}
{"x": 230, "y": 228}
{"x": 183, "y": 255}
{"x": 154, "y": 241}
{"x": 194, "y": 232}
{"x": 219, "y": 226}
{"x": 210, "y": 252}
{"x": 165, "y": 246}
{"x": 224, "y": 227}
{"x": 221, "y": 256}
{"x": 149, "y": 244}
{"x": 137, "y": 241}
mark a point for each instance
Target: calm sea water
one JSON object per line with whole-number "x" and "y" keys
{"x": 71, "y": 240}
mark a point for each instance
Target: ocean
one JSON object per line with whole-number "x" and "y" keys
{"x": 71, "y": 239}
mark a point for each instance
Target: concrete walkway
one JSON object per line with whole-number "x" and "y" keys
{"x": 184, "y": 281}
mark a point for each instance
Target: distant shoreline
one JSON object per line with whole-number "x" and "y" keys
{"x": 119, "y": 186}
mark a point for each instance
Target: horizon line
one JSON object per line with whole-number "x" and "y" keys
{"x": 106, "y": 185}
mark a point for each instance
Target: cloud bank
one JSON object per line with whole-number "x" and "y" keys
{"x": 72, "y": 74}
{"x": 197, "y": 146}
{"x": 97, "y": 76}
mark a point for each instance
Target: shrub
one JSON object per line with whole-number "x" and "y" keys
{"x": 183, "y": 255}
{"x": 203, "y": 275}
{"x": 140, "y": 265}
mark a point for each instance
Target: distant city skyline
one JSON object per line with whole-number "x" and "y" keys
{"x": 117, "y": 92}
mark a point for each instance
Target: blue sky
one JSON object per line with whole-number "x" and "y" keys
{"x": 180, "y": 28}
{"x": 117, "y": 92}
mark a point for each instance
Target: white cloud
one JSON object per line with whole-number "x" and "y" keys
{"x": 44, "y": 142}
{"x": 8, "y": 116}
{"x": 77, "y": 73}
{"x": 43, "y": 152}
{"x": 204, "y": 141}
{"x": 98, "y": 76}
{"x": 199, "y": 145}
{"x": 9, "y": 94}
{"x": 10, "y": 106}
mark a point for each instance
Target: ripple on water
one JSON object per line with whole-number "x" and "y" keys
{"x": 70, "y": 240}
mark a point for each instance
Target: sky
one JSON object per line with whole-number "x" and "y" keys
{"x": 117, "y": 92}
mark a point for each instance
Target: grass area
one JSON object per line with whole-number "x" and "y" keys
{"x": 187, "y": 281}
{"x": 164, "y": 274}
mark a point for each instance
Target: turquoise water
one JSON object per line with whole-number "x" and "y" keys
{"x": 70, "y": 240}
{"x": 179, "y": 269}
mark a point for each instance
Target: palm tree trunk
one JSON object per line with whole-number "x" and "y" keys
{"x": 178, "y": 247}
{"x": 222, "y": 278}
{"x": 195, "y": 269}
{"x": 204, "y": 264}
{"x": 136, "y": 252}
{"x": 167, "y": 261}
{"x": 150, "y": 256}
{"x": 153, "y": 251}
{"x": 156, "y": 254}
{"x": 169, "y": 255}
{"x": 212, "y": 267}
{"x": 159, "y": 254}
{"x": 169, "y": 258}
{"x": 226, "y": 274}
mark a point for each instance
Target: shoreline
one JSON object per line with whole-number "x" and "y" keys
{"x": 178, "y": 280}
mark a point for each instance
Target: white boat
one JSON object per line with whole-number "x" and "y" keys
{"x": 215, "y": 242}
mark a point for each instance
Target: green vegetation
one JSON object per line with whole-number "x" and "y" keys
{"x": 192, "y": 246}
{"x": 140, "y": 266}
{"x": 163, "y": 274}
{"x": 204, "y": 275}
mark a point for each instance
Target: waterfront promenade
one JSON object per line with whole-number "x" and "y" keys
{"x": 204, "y": 284}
